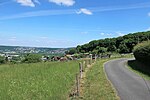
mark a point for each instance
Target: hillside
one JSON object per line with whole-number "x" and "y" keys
{"x": 122, "y": 44}
{"x": 21, "y": 49}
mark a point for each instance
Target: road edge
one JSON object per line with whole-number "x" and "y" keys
{"x": 116, "y": 92}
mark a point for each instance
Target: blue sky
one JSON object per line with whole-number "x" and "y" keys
{"x": 68, "y": 23}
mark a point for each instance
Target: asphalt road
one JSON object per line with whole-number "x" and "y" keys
{"x": 129, "y": 85}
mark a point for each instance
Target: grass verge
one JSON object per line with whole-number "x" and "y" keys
{"x": 39, "y": 81}
{"x": 96, "y": 86}
{"x": 139, "y": 68}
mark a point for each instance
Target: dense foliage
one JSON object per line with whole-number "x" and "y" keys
{"x": 2, "y": 60}
{"x": 32, "y": 58}
{"x": 142, "y": 52}
{"x": 122, "y": 44}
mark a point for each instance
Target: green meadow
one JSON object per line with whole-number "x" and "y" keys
{"x": 39, "y": 81}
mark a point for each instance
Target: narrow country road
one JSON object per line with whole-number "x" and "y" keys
{"x": 129, "y": 85}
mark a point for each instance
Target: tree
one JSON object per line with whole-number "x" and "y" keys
{"x": 111, "y": 48}
{"x": 123, "y": 48}
{"x": 124, "y": 43}
{"x": 32, "y": 58}
{"x": 72, "y": 51}
{"x": 78, "y": 48}
{"x": 102, "y": 50}
{"x": 94, "y": 51}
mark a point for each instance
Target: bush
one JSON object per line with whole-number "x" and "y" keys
{"x": 142, "y": 52}
{"x": 123, "y": 48}
{"x": 2, "y": 60}
{"x": 32, "y": 58}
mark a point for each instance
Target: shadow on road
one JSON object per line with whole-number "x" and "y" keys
{"x": 145, "y": 69}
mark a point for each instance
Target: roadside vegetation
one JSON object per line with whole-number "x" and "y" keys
{"x": 96, "y": 85}
{"x": 37, "y": 81}
{"x": 142, "y": 52}
{"x": 139, "y": 68}
{"x": 142, "y": 63}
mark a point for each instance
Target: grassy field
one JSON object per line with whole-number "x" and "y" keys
{"x": 96, "y": 86}
{"x": 139, "y": 68}
{"x": 52, "y": 81}
{"x": 40, "y": 81}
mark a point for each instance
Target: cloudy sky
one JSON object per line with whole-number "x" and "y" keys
{"x": 68, "y": 23}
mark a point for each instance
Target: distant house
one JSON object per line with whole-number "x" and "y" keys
{"x": 55, "y": 58}
{"x": 9, "y": 56}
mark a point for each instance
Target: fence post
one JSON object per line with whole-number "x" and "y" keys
{"x": 89, "y": 62}
{"x": 84, "y": 66}
{"x": 78, "y": 84}
{"x": 81, "y": 69}
{"x": 95, "y": 57}
{"x": 90, "y": 59}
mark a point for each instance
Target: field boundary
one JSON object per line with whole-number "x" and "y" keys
{"x": 77, "y": 89}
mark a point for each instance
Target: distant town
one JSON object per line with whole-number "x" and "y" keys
{"x": 20, "y": 50}
{"x": 11, "y": 52}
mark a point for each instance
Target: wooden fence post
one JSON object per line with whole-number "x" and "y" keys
{"x": 78, "y": 84}
{"x": 90, "y": 59}
{"x": 84, "y": 66}
{"x": 81, "y": 69}
{"x": 95, "y": 57}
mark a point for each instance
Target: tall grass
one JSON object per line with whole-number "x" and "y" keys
{"x": 40, "y": 81}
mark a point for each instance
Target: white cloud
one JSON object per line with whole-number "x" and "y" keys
{"x": 84, "y": 11}
{"x": 148, "y": 29}
{"x": 84, "y": 32}
{"x": 44, "y": 37}
{"x": 120, "y": 34}
{"x": 108, "y": 34}
{"x": 149, "y": 14}
{"x": 26, "y": 2}
{"x": 123, "y": 7}
{"x": 12, "y": 39}
{"x": 63, "y": 2}
{"x": 102, "y": 33}
{"x": 39, "y": 13}
{"x": 69, "y": 11}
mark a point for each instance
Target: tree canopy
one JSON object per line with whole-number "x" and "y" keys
{"x": 122, "y": 44}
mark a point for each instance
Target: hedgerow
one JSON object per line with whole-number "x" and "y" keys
{"x": 142, "y": 52}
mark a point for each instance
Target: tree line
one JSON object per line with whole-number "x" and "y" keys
{"x": 121, "y": 44}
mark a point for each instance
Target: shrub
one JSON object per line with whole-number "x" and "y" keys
{"x": 142, "y": 52}
{"x": 123, "y": 48}
{"x": 32, "y": 58}
{"x": 2, "y": 60}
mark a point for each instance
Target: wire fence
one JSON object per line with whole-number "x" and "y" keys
{"x": 75, "y": 93}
